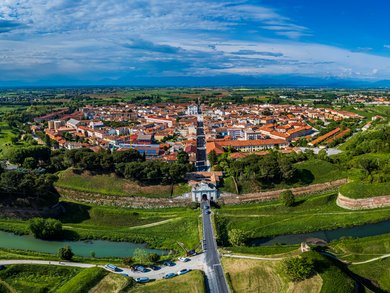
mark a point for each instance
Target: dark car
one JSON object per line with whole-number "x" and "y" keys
{"x": 155, "y": 268}
{"x": 169, "y": 263}
{"x": 2, "y": 267}
{"x": 169, "y": 275}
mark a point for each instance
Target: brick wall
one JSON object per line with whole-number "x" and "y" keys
{"x": 363, "y": 203}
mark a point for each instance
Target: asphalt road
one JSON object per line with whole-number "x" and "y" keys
{"x": 196, "y": 263}
{"x": 215, "y": 276}
{"x": 201, "y": 155}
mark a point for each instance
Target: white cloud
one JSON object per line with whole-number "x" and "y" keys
{"x": 102, "y": 39}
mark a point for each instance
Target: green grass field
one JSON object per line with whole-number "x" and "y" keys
{"x": 193, "y": 282}
{"x": 84, "y": 281}
{"x": 308, "y": 172}
{"x": 113, "y": 185}
{"x": 248, "y": 275}
{"x": 378, "y": 272}
{"x": 319, "y": 171}
{"x": 36, "y": 278}
{"x": 6, "y": 134}
{"x": 311, "y": 213}
{"x": 365, "y": 190}
{"x": 160, "y": 228}
{"x": 360, "y": 249}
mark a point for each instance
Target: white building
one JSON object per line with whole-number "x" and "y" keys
{"x": 192, "y": 110}
{"x": 204, "y": 191}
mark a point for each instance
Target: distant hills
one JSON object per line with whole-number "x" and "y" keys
{"x": 218, "y": 80}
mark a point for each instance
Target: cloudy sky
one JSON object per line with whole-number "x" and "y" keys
{"x": 93, "y": 41}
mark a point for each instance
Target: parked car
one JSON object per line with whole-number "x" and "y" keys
{"x": 184, "y": 259}
{"x": 155, "y": 268}
{"x": 2, "y": 267}
{"x": 141, "y": 269}
{"x": 169, "y": 275}
{"x": 183, "y": 271}
{"x": 142, "y": 280}
{"x": 169, "y": 263}
{"x": 111, "y": 268}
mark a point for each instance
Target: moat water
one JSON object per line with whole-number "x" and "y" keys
{"x": 328, "y": 235}
{"x": 101, "y": 248}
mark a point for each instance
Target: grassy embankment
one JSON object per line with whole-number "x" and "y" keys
{"x": 160, "y": 228}
{"x": 7, "y": 133}
{"x": 36, "y": 278}
{"x": 247, "y": 275}
{"x": 84, "y": 281}
{"x": 308, "y": 172}
{"x": 365, "y": 190}
{"x": 310, "y": 213}
{"x": 113, "y": 185}
{"x": 193, "y": 282}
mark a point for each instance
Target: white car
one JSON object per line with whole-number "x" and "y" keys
{"x": 183, "y": 271}
{"x": 184, "y": 259}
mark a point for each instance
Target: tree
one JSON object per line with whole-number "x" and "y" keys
{"x": 65, "y": 253}
{"x": 287, "y": 197}
{"x": 182, "y": 157}
{"x": 45, "y": 228}
{"x": 213, "y": 158}
{"x": 47, "y": 140}
{"x": 128, "y": 261}
{"x": 141, "y": 255}
{"x": 322, "y": 155}
{"x": 298, "y": 268}
{"x": 153, "y": 257}
{"x": 30, "y": 163}
{"x": 237, "y": 237}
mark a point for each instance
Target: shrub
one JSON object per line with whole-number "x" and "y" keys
{"x": 287, "y": 197}
{"x": 45, "y": 228}
{"x": 237, "y": 237}
{"x": 298, "y": 268}
{"x": 65, "y": 253}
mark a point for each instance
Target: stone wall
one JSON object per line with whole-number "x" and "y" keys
{"x": 122, "y": 201}
{"x": 363, "y": 203}
{"x": 274, "y": 194}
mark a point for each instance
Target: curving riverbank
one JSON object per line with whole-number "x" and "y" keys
{"x": 363, "y": 203}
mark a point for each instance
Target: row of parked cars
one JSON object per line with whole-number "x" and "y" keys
{"x": 167, "y": 263}
{"x": 167, "y": 276}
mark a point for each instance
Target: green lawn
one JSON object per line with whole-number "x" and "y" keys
{"x": 113, "y": 185}
{"x": 6, "y": 134}
{"x": 36, "y": 278}
{"x": 192, "y": 282}
{"x": 160, "y": 228}
{"x": 361, "y": 249}
{"x": 365, "y": 190}
{"x": 311, "y": 213}
{"x": 319, "y": 171}
{"x": 378, "y": 272}
{"x": 308, "y": 172}
{"x": 83, "y": 281}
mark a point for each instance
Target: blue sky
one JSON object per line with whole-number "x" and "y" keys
{"x": 112, "y": 41}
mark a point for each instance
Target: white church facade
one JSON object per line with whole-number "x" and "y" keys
{"x": 204, "y": 191}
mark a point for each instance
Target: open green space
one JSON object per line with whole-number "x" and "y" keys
{"x": 193, "y": 282}
{"x": 159, "y": 228}
{"x": 360, "y": 249}
{"x": 248, "y": 275}
{"x": 6, "y": 136}
{"x": 365, "y": 190}
{"x": 263, "y": 250}
{"x": 377, "y": 272}
{"x": 318, "y": 171}
{"x": 36, "y": 278}
{"x": 310, "y": 213}
{"x": 83, "y": 281}
{"x": 110, "y": 184}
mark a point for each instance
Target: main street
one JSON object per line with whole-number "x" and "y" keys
{"x": 201, "y": 156}
{"x": 215, "y": 276}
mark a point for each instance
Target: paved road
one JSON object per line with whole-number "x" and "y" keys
{"x": 201, "y": 155}
{"x": 196, "y": 263}
{"x": 329, "y": 151}
{"x": 214, "y": 272}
